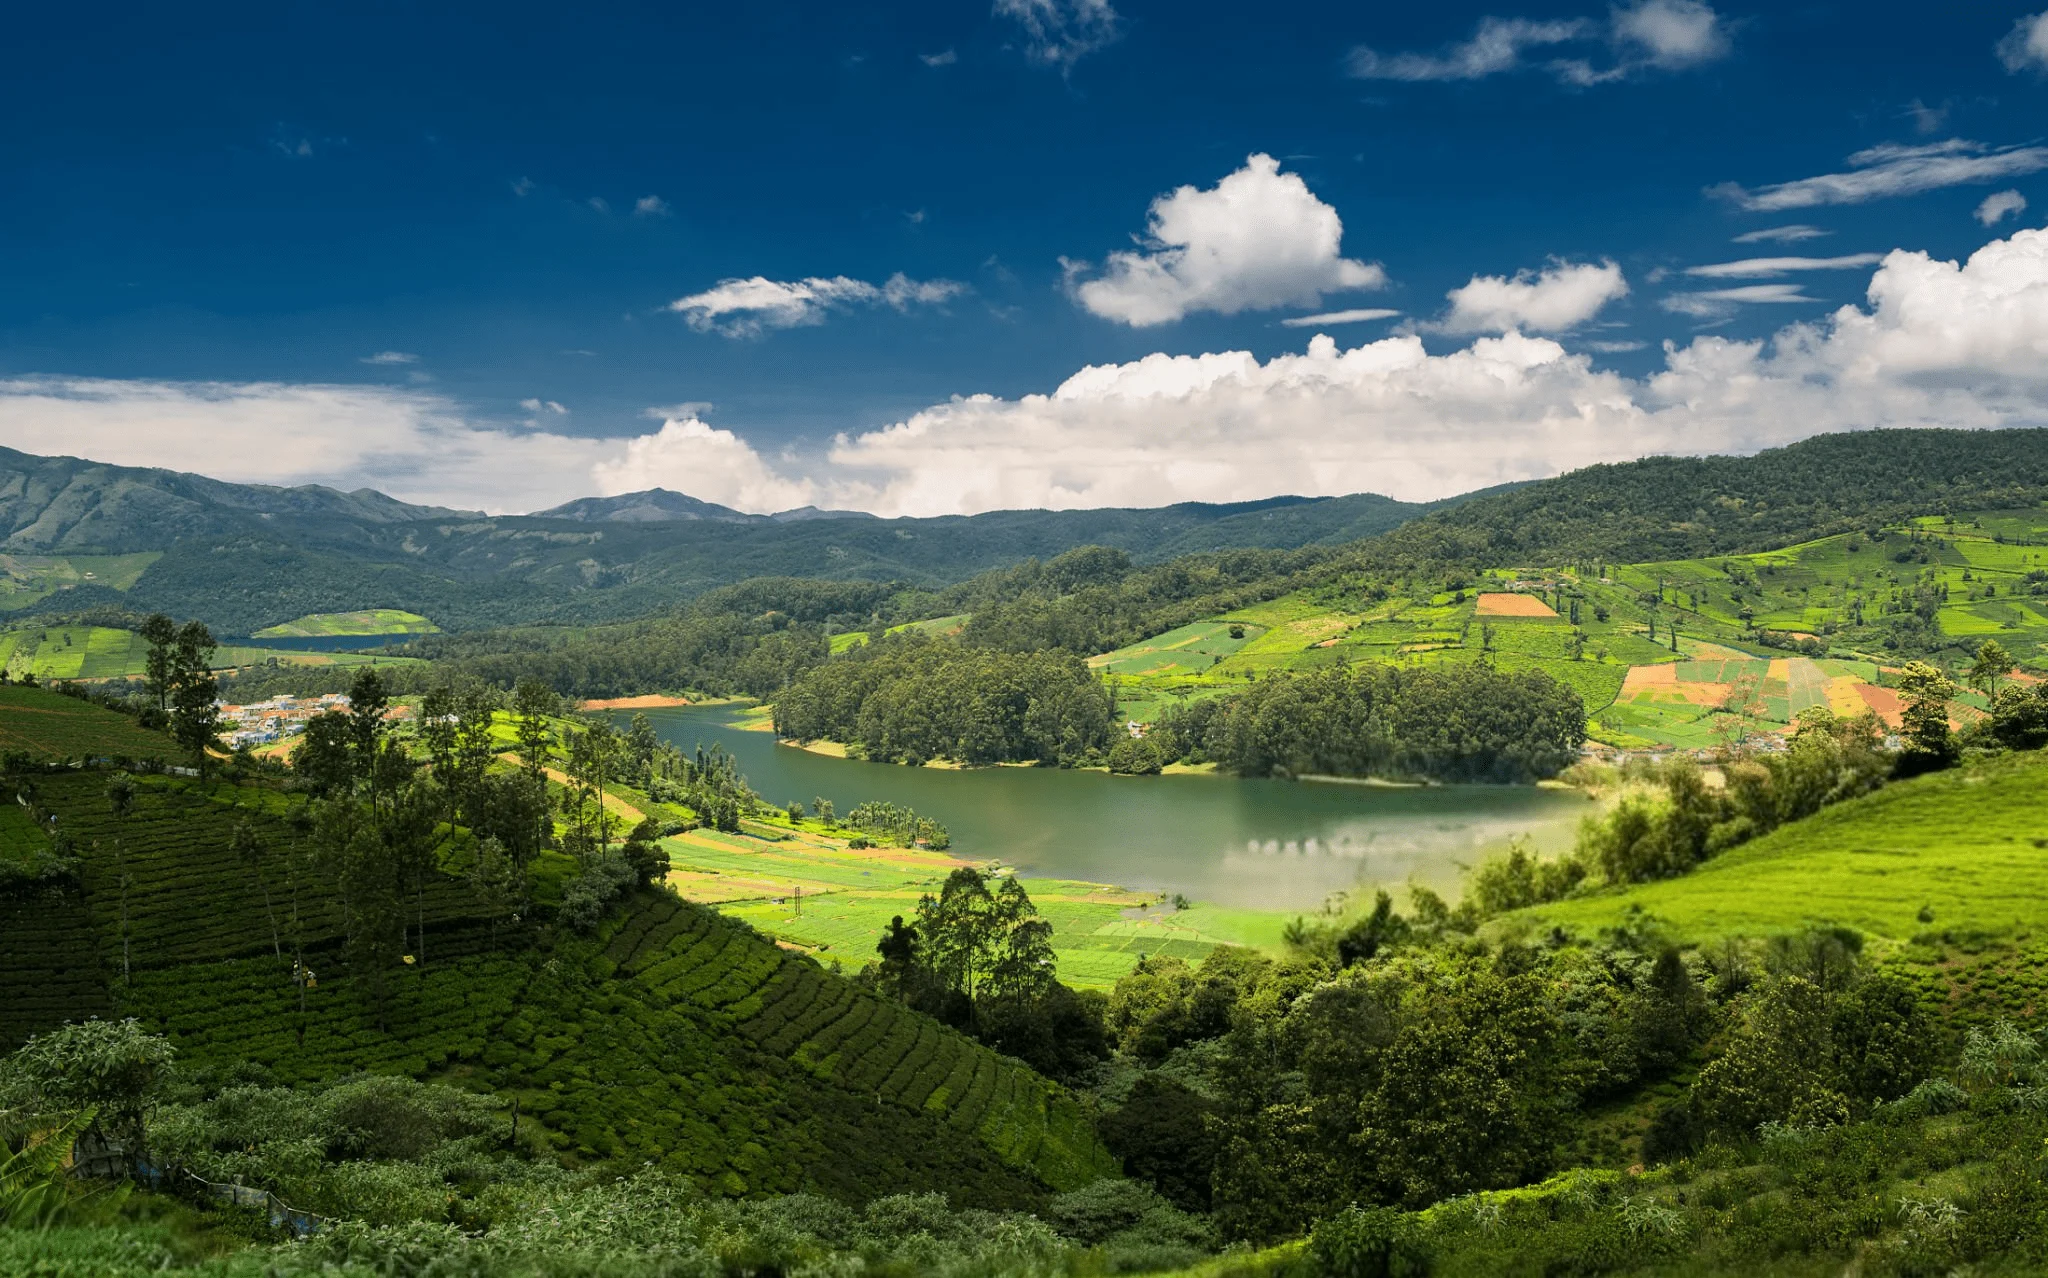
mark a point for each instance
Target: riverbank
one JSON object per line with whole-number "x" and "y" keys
{"x": 648, "y": 701}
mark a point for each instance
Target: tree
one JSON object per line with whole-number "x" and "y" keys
{"x": 194, "y": 692}
{"x": 1929, "y": 744}
{"x": 324, "y": 759}
{"x": 899, "y": 972}
{"x": 1992, "y": 665}
{"x": 112, "y": 1066}
{"x": 959, "y": 930}
{"x": 160, "y": 632}
{"x": 121, "y": 799}
{"x": 249, "y": 850}
{"x": 367, "y": 701}
{"x": 533, "y": 705}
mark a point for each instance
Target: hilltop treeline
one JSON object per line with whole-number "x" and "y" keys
{"x": 1444, "y": 723}
{"x": 909, "y": 699}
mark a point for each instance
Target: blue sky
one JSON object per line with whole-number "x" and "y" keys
{"x": 480, "y": 255}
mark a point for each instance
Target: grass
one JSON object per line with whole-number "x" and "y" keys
{"x": 49, "y": 725}
{"x": 934, "y": 626}
{"x": 806, "y": 888}
{"x": 61, "y": 652}
{"x": 1969, "y": 845}
{"x": 27, "y": 579}
{"x": 370, "y": 621}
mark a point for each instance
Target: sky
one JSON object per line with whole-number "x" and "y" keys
{"x": 944, "y": 257}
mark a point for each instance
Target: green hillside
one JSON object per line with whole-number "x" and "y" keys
{"x": 49, "y": 725}
{"x": 370, "y": 621}
{"x": 674, "y": 1036}
{"x": 1966, "y": 845}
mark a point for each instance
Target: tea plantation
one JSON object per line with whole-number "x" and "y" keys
{"x": 673, "y": 1036}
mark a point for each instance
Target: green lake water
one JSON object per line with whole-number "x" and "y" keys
{"x": 1260, "y": 844}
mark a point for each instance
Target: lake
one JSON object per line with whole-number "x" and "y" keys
{"x": 1252, "y": 843}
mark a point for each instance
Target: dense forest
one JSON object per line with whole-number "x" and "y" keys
{"x": 1450, "y": 723}
{"x": 910, "y": 700}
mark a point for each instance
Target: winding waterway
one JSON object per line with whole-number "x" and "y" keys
{"x": 1263, "y": 844}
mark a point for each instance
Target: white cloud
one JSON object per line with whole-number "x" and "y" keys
{"x": 1720, "y": 303}
{"x": 747, "y": 308}
{"x": 1755, "y": 268}
{"x": 1496, "y": 46}
{"x": 1936, "y": 343}
{"x": 944, "y": 58}
{"x": 599, "y": 203}
{"x": 651, "y": 206}
{"x": 1358, "y": 316}
{"x": 1059, "y": 33}
{"x": 2026, "y": 45}
{"x": 543, "y": 406}
{"x": 522, "y": 187}
{"x": 1561, "y": 297}
{"x": 1998, "y": 205}
{"x": 1663, "y": 35}
{"x": 1892, "y": 170}
{"x": 1613, "y": 347}
{"x": 391, "y": 357}
{"x": 1781, "y": 235}
{"x": 412, "y": 445}
{"x": 1257, "y": 240}
{"x": 709, "y": 464}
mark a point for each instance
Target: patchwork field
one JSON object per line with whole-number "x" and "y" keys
{"x": 935, "y": 626}
{"x": 1687, "y": 654}
{"x": 371, "y": 621}
{"x": 101, "y": 652}
{"x": 27, "y": 579}
{"x": 811, "y": 892}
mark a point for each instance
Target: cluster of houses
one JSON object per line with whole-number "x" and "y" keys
{"x": 262, "y": 722}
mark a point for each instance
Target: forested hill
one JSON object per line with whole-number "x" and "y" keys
{"x": 241, "y": 556}
{"x": 1682, "y": 507}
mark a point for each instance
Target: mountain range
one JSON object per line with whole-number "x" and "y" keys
{"x": 242, "y": 556}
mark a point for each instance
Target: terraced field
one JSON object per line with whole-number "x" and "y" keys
{"x": 370, "y": 621}
{"x": 49, "y": 725}
{"x": 835, "y": 1030}
{"x": 55, "y": 653}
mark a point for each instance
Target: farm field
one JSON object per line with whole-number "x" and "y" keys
{"x": 934, "y": 626}
{"x": 49, "y": 725}
{"x": 1665, "y": 655}
{"x": 372, "y": 621}
{"x": 60, "y": 652}
{"x": 27, "y": 579}
{"x": 1966, "y": 845}
{"x": 809, "y": 890}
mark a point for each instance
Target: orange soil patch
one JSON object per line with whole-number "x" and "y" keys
{"x": 649, "y": 702}
{"x": 1510, "y": 605}
{"x": 1844, "y": 697}
{"x": 1661, "y": 683}
{"x": 1884, "y": 701}
{"x": 612, "y": 802}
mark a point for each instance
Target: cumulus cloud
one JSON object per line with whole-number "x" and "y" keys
{"x": 1359, "y": 316}
{"x": 1561, "y": 297}
{"x": 1059, "y": 33}
{"x": 1257, "y": 240}
{"x": 2026, "y": 45}
{"x": 1781, "y": 235}
{"x": 1756, "y": 268}
{"x": 1998, "y": 205}
{"x": 1665, "y": 35}
{"x": 687, "y": 456}
{"x": 749, "y": 307}
{"x": 1882, "y": 172}
{"x": 1934, "y": 343}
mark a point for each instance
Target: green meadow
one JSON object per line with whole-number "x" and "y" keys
{"x": 28, "y": 579}
{"x": 370, "y": 621}
{"x": 58, "y": 652}
{"x": 1966, "y": 848}
{"x": 847, "y": 639}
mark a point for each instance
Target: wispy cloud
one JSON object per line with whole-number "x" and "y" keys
{"x": 391, "y": 357}
{"x": 650, "y": 206}
{"x": 1757, "y": 268}
{"x": 521, "y": 186}
{"x": 1782, "y": 235}
{"x": 943, "y": 58}
{"x": 1609, "y": 347}
{"x": 538, "y": 406}
{"x": 1664, "y": 35}
{"x": 750, "y": 307}
{"x": 1883, "y": 172}
{"x": 1721, "y": 303}
{"x": 1999, "y": 205}
{"x": 1059, "y": 33}
{"x": 1359, "y": 316}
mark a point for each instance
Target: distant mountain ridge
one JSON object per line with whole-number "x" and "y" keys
{"x": 243, "y": 556}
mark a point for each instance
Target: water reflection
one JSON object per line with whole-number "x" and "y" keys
{"x": 1254, "y": 843}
